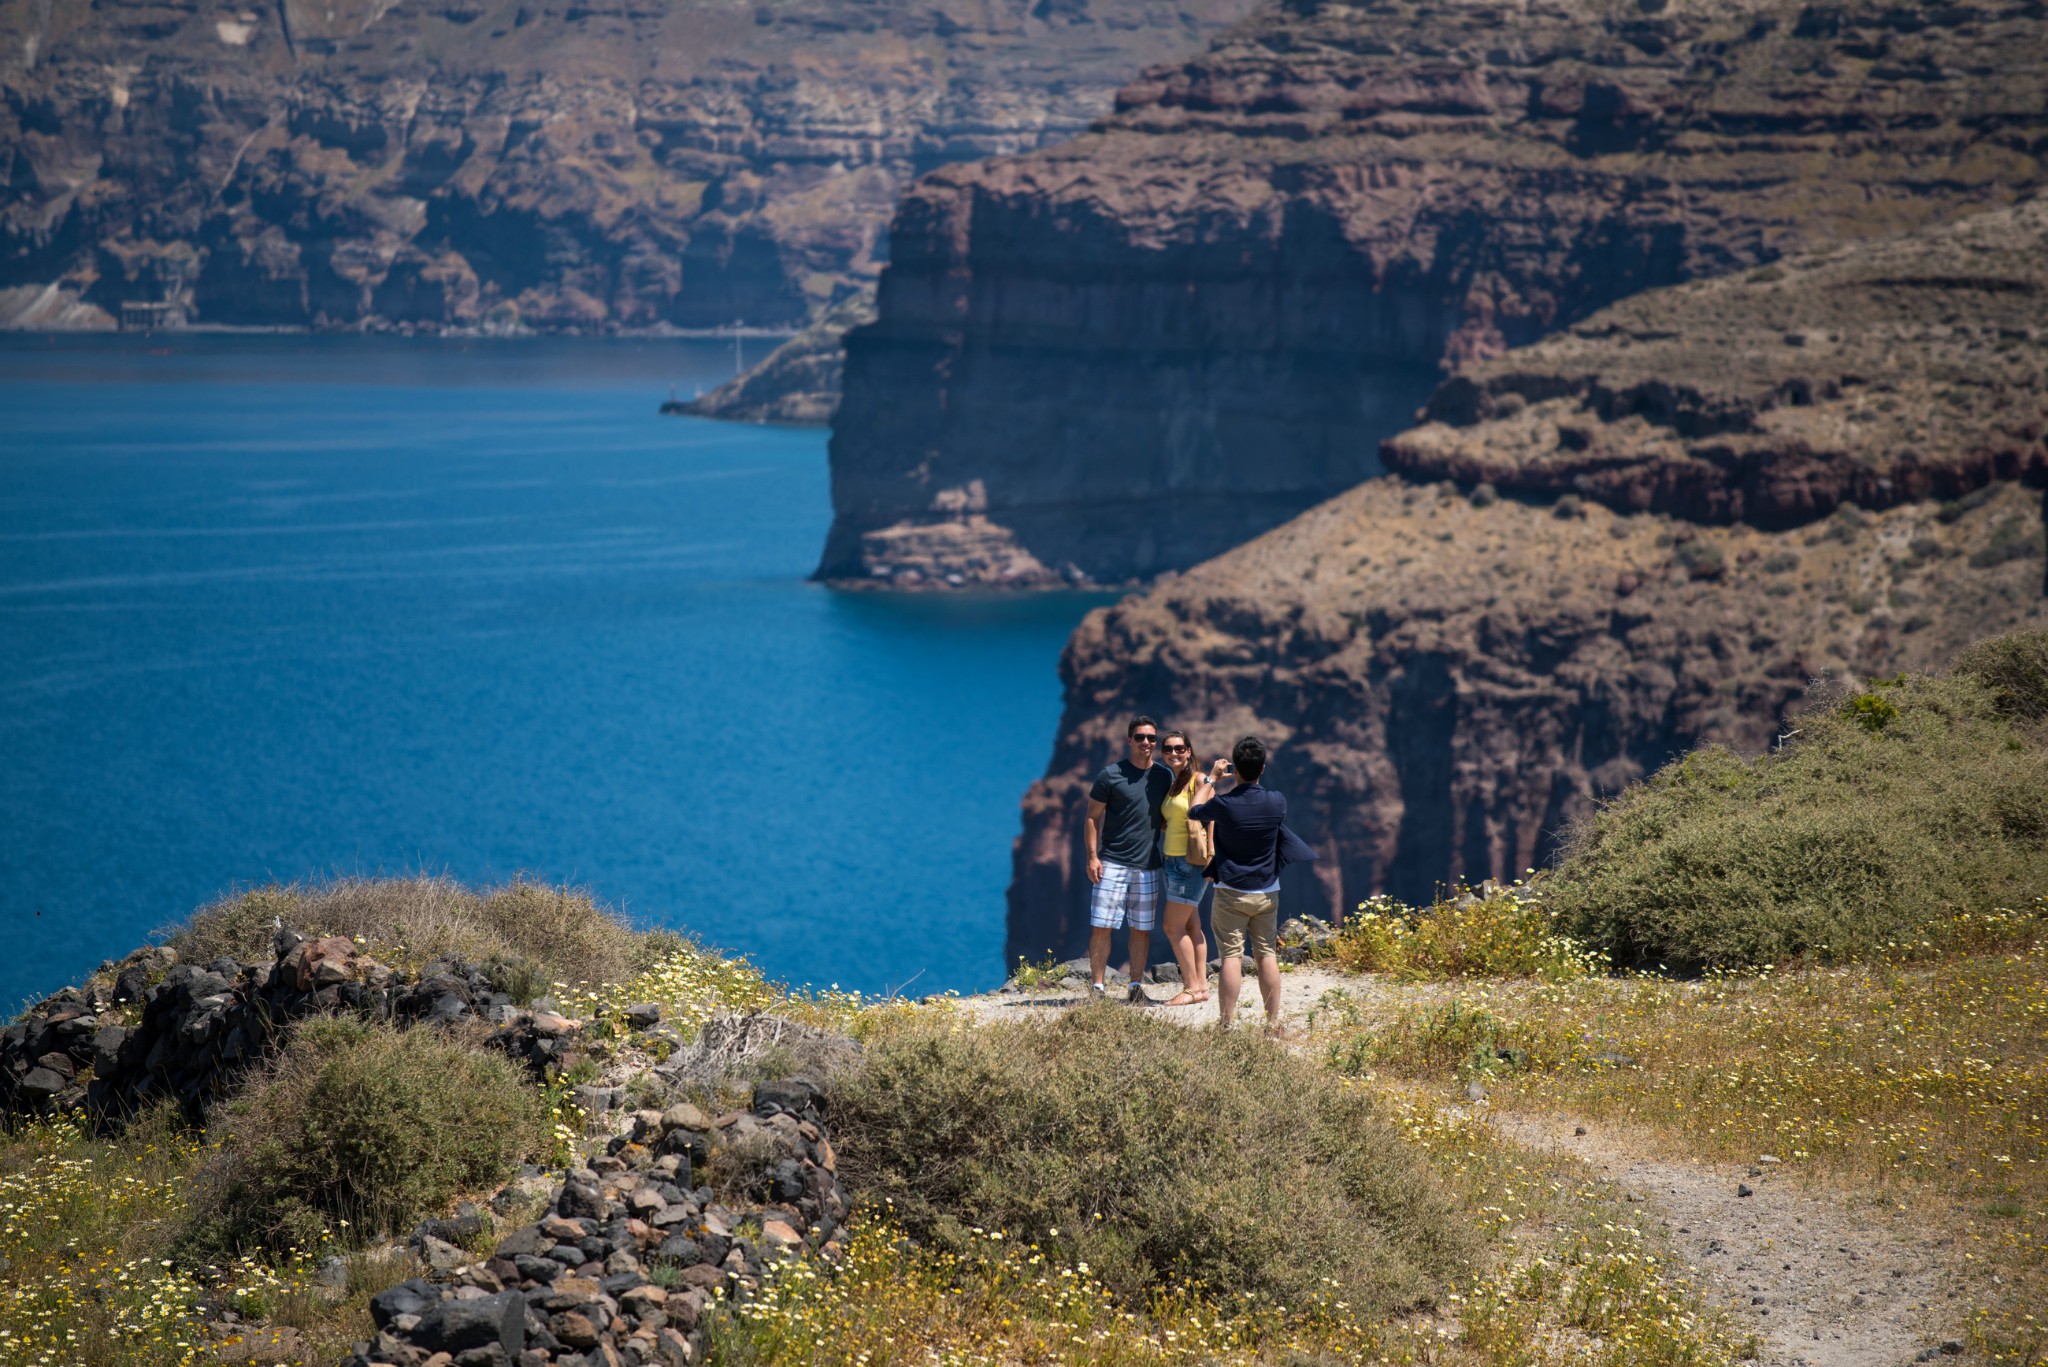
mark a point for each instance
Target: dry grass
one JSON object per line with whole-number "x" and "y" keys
{"x": 558, "y": 934}
{"x": 1910, "y": 1082}
{"x": 1567, "y": 1279}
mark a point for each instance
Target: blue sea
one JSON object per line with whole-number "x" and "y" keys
{"x": 287, "y": 607}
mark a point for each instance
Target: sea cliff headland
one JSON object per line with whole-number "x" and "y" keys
{"x": 1649, "y": 531}
{"x": 1137, "y": 349}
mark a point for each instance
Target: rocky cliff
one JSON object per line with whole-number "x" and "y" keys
{"x": 1652, "y": 530}
{"x": 798, "y": 382}
{"x": 1134, "y": 350}
{"x": 505, "y": 163}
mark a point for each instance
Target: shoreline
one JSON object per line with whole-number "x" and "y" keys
{"x": 416, "y": 334}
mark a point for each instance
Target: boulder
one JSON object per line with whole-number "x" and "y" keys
{"x": 454, "y": 1326}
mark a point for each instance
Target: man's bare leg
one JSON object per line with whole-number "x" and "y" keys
{"x": 1098, "y": 953}
{"x": 1229, "y": 974}
{"x": 1141, "y": 955}
{"x": 1269, "y": 988}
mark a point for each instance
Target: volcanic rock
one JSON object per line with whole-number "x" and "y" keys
{"x": 1449, "y": 680}
{"x": 504, "y": 166}
{"x": 1887, "y": 373}
{"x": 1132, "y": 351}
{"x": 799, "y": 382}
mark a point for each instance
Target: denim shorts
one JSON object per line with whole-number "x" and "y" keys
{"x": 1184, "y": 882}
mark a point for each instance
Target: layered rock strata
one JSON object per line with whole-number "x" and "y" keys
{"x": 505, "y": 164}
{"x": 1132, "y": 351}
{"x": 1888, "y": 373}
{"x": 1653, "y": 531}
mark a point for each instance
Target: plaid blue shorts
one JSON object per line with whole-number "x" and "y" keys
{"x": 1125, "y": 894}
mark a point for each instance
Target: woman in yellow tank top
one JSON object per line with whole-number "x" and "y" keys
{"x": 1184, "y": 882}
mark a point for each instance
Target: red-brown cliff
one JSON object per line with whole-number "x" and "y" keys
{"x": 1129, "y": 352}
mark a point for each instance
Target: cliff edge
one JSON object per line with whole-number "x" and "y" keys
{"x": 1132, "y": 351}
{"x": 1650, "y": 531}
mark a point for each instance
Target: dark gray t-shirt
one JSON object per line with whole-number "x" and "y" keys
{"x": 1130, "y": 826}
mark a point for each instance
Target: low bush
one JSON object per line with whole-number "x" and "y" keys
{"x": 1894, "y": 813}
{"x": 534, "y": 933}
{"x": 2014, "y": 668}
{"x": 1505, "y": 934}
{"x": 1155, "y": 1156}
{"x": 361, "y": 1124}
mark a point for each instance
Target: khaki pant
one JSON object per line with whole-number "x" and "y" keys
{"x": 1234, "y": 915}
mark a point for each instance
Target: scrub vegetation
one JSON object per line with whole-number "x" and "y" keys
{"x": 1836, "y": 954}
{"x": 1152, "y": 1154}
{"x": 361, "y": 1126}
{"x": 1873, "y": 1011}
{"x": 537, "y": 933}
{"x": 1893, "y": 811}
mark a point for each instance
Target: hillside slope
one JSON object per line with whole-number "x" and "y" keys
{"x": 1706, "y": 515}
{"x": 498, "y": 162}
{"x": 1213, "y": 309}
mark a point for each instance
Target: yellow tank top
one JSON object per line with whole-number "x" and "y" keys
{"x": 1175, "y": 810}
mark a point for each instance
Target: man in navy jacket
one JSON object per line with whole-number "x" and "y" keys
{"x": 1252, "y": 845}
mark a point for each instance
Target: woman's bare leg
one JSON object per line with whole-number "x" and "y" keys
{"x": 1178, "y": 920}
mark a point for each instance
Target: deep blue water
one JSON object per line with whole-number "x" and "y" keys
{"x": 289, "y": 607}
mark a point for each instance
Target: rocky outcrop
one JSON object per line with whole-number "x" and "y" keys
{"x": 1889, "y": 373}
{"x": 153, "y": 1027}
{"x": 1132, "y": 351}
{"x": 499, "y": 164}
{"x": 1652, "y": 531}
{"x": 634, "y": 1249}
{"x": 798, "y": 383}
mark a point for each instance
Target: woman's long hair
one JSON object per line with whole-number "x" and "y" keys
{"x": 1193, "y": 772}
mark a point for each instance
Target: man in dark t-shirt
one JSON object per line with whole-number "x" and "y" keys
{"x": 1122, "y": 834}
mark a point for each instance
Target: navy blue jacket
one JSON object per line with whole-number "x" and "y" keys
{"x": 1252, "y": 840}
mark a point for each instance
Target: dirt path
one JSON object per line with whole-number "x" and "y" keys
{"x": 1822, "y": 1283}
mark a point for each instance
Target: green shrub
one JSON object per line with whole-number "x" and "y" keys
{"x": 2014, "y": 668}
{"x": 1884, "y": 821}
{"x": 1871, "y": 711}
{"x": 531, "y": 933}
{"x": 1155, "y": 1154}
{"x": 363, "y": 1124}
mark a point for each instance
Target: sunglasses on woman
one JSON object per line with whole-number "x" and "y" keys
{"x": 1176, "y": 749}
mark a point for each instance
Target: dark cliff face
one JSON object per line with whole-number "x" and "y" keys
{"x": 1214, "y": 308}
{"x": 1719, "y": 492}
{"x": 507, "y": 162}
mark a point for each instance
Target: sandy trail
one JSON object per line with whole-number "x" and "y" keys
{"x": 1823, "y": 1282}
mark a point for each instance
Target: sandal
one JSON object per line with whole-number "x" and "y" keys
{"x": 1182, "y": 998}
